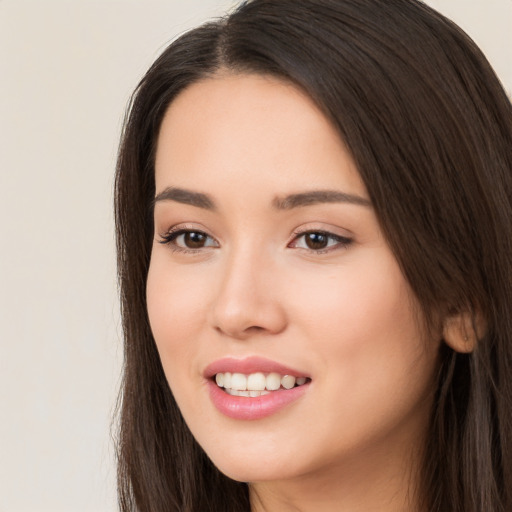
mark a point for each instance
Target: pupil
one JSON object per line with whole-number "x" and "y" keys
{"x": 316, "y": 241}
{"x": 194, "y": 240}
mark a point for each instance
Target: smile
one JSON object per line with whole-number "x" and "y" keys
{"x": 256, "y": 384}
{"x": 254, "y": 388}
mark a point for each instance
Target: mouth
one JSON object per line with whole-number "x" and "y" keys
{"x": 254, "y": 388}
{"x": 257, "y": 384}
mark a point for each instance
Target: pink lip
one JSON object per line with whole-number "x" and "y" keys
{"x": 249, "y": 365}
{"x": 251, "y": 408}
{"x": 246, "y": 408}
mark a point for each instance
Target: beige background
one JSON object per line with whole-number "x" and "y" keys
{"x": 66, "y": 71}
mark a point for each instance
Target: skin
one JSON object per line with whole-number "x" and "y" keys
{"x": 344, "y": 315}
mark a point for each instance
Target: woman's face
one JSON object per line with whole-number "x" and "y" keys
{"x": 268, "y": 261}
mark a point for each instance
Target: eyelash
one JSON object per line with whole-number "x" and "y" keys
{"x": 170, "y": 237}
{"x": 341, "y": 242}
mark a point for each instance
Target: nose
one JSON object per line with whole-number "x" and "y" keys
{"x": 248, "y": 301}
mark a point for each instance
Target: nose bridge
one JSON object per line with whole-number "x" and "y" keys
{"x": 247, "y": 298}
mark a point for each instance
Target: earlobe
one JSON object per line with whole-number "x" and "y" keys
{"x": 461, "y": 332}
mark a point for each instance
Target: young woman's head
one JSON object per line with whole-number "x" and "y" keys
{"x": 314, "y": 206}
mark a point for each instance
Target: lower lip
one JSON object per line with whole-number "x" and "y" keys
{"x": 253, "y": 408}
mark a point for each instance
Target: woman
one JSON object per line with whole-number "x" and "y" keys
{"x": 313, "y": 204}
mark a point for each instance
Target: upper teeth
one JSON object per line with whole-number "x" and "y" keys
{"x": 257, "y": 381}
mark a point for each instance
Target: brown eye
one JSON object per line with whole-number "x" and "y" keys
{"x": 187, "y": 239}
{"x": 316, "y": 241}
{"x": 320, "y": 241}
{"x": 194, "y": 239}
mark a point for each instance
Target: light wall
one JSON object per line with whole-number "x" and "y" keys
{"x": 66, "y": 71}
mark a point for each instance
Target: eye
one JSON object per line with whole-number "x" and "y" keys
{"x": 319, "y": 241}
{"x": 188, "y": 240}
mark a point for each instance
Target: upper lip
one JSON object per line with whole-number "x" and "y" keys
{"x": 249, "y": 365}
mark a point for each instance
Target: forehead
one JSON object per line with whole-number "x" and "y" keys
{"x": 231, "y": 126}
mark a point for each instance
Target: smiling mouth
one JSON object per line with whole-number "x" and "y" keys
{"x": 256, "y": 384}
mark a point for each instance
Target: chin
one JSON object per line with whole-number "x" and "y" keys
{"x": 242, "y": 473}
{"x": 257, "y": 465}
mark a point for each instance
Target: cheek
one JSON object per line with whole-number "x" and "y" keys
{"x": 175, "y": 297}
{"x": 376, "y": 365}
{"x": 175, "y": 313}
{"x": 363, "y": 325}
{"x": 359, "y": 303}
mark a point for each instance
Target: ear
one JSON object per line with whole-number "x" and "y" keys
{"x": 461, "y": 332}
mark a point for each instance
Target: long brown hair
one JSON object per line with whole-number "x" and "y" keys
{"x": 430, "y": 129}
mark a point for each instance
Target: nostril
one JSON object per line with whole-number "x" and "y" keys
{"x": 255, "y": 328}
{"x": 241, "y": 333}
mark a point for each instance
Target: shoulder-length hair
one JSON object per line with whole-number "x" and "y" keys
{"x": 430, "y": 129}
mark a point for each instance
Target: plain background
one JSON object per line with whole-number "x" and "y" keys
{"x": 67, "y": 69}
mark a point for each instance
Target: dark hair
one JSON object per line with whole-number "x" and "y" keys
{"x": 430, "y": 129}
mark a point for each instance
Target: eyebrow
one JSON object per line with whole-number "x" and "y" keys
{"x": 181, "y": 195}
{"x": 316, "y": 197}
{"x": 201, "y": 200}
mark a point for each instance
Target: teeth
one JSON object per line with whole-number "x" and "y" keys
{"x": 236, "y": 392}
{"x": 238, "y": 381}
{"x": 256, "y": 384}
{"x": 258, "y": 393}
{"x": 256, "y": 381}
{"x": 288, "y": 382}
{"x": 273, "y": 381}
